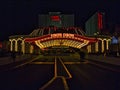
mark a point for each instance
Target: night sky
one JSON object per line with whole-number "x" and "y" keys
{"x": 21, "y": 16}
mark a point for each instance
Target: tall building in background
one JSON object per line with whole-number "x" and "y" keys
{"x": 56, "y": 19}
{"x": 117, "y": 29}
{"x": 95, "y": 24}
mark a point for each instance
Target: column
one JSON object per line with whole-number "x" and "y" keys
{"x": 89, "y": 48}
{"x": 11, "y": 45}
{"x": 23, "y": 46}
{"x": 96, "y": 47}
{"x": 16, "y": 46}
{"x": 107, "y": 44}
{"x": 102, "y": 46}
{"x": 31, "y": 49}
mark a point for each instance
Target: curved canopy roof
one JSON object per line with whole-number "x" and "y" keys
{"x": 51, "y": 30}
{"x": 52, "y": 36}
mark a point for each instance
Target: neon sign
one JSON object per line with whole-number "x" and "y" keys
{"x": 64, "y": 35}
{"x": 61, "y": 36}
{"x": 58, "y": 35}
{"x": 55, "y": 18}
{"x": 100, "y": 22}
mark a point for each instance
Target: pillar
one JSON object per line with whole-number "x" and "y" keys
{"x": 102, "y": 46}
{"x": 16, "y": 46}
{"x": 96, "y": 47}
{"x": 89, "y": 48}
{"x": 31, "y": 49}
{"x": 107, "y": 44}
{"x": 23, "y": 46}
{"x": 11, "y": 45}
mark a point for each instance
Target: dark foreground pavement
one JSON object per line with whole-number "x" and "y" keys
{"x": 84, "y": 76}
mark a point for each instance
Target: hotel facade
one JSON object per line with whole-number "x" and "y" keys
{"x": 58, "y": 30}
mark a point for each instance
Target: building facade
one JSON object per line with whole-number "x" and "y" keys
{"x": 57, "y": 30}
{"x": 95, "y": 24}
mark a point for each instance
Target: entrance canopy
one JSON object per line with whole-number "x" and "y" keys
{"x": 58, "y": 39}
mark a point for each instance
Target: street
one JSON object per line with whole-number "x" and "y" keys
{"x": 59, "y": 73}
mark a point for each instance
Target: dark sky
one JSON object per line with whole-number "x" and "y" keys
{"x": 20, "y": 16}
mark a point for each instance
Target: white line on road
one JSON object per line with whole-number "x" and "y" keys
{"x": 70, "y": 76}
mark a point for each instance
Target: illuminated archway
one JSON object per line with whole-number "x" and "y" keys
{"x": 61, "y": 42}
{"x": 58, "y": 39}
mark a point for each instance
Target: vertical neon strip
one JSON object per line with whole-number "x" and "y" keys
{"x": 100, "y": 22}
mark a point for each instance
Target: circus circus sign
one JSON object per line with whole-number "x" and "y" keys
{"x": 61, "y": 36}
{"x": 67, "y": 39}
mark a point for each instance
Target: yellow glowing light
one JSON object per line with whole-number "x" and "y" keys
{"x": 96, "y": 46}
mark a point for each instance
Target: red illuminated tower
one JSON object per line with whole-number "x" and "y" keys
{"x": 95, "y": 24}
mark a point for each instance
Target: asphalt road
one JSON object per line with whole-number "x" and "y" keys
{"x": 60, "y": 74}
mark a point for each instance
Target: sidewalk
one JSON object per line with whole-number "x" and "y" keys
{"x": 105, "y": 59}
{"x": 9, "y": 60}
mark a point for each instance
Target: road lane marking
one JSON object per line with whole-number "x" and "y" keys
{"x": 55, "y": 61}
{"x": 75, "y": 62}
{"x": 65, "y": 83}
{"x": 70, "y": 76}
{"x": 52, "y": 80}
{"x": 42, "y": 62}
{"x": 47, "y": 84}
{"x": 55, "y": 68}
{"x": 56, "y": 75}
{"x": 26, "y": 63}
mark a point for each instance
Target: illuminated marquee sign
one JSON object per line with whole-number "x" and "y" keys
{"x": 55, "y": 18}
{"x": 60, "y": 35}
{"x": 66, "y": 35}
